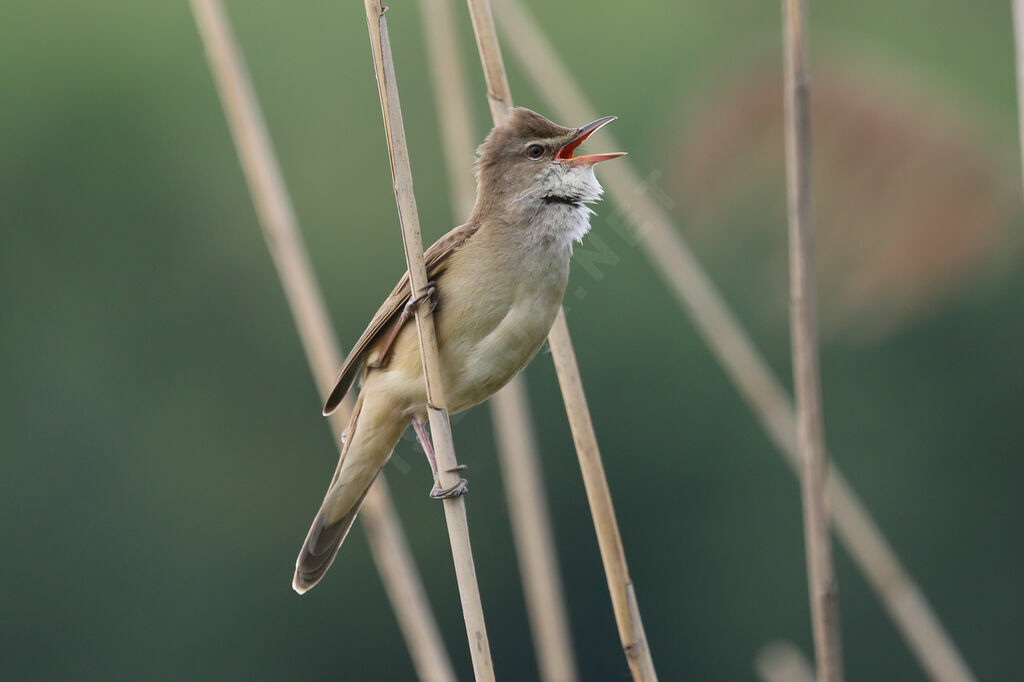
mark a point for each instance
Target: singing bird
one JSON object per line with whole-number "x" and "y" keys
{"x": 497, "y": 283}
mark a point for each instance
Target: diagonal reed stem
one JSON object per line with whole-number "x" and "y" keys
{"x": 274, "y": 209}
{"x": 440, "y": 427}
{"x": 810, "y": 422}
{"x": 654, "y": 231}
{"x": 613, "y": 555}
{"x": 620, "y": 585}
{"x": 531, "y": 527}
{"x": 517, "y": 448}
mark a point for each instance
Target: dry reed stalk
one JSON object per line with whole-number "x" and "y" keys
{"x": 451, "y": 97}
{"x": 517, "y": 448}
{"x": 274, "y": 209}
{"x": 782, "y": 662}
{"x": 732, "y": 346}
{"x": 531, "y": 527}
{"x": 613, "y": 555}
{"x": 1018, "y": 41}
{"x": 440, "y": 427}
{"x": 810, "y": 423}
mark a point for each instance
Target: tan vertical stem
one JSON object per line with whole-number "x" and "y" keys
{"x": 454, "y": 114}
{"x": 1018, "y": 41}
{"x": 653, "y": 230}
{"x": 531, "y": 527}
{"x": 262, "y": 172}
{"x": 613, "y": 556}
{"x": 440, "y": 427}
{"x": 620, "y": 585}
{"x": 517, "y": 448}
{"x": 499, "y": 94}
{"x": 810, "y": 426}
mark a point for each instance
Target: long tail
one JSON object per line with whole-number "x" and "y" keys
{"x": 371, "y": 435}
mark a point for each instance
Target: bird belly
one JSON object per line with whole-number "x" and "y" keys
{"x": 501, "y": 322}
{"x": 474, "y": 365}
{"x": 491, "y": 361}
{"x": 489, "y": 326}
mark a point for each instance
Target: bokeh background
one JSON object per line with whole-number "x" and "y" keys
{"x": 162, "y": 449}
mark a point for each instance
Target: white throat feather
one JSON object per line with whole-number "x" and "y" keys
{"x": 556, "y": 204}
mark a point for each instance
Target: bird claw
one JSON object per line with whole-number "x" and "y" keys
{"x": 430, "y": 292}
{"x": 407, "y": 313}
{"x": 437, "y": 492}
{"x": 460, "y": 488}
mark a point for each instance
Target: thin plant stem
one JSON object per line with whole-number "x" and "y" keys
{"x": 613, "y": 555}
{"x": 277, "y": 217}
{"x": 643, "y": 208}
{"x": 531, "y": 528}
{"x": 1018, "y": 41}
{"x": 440, "y": 427}
{"x": 451, "y": 97}
{"x": 620, "y": 585}
{"x": 810, "y": 422}
{"x": 517, "y": 448}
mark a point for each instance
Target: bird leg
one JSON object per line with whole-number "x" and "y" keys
{"x": 408, "y": 311}
{"x": 438, "y": 493}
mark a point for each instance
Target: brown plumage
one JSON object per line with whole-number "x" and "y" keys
{"x": 500, "y": 279}
{"x": 436, "y": 258}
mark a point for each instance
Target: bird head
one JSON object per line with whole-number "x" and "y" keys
{"x": 528, "y": 163}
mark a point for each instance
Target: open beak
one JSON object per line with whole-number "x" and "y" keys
{"x": 565, "y": 153}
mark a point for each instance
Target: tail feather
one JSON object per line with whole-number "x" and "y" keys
{"x": 322, "y": 545}
{"x": 367, "y": 447}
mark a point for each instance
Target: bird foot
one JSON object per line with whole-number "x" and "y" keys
{"x": 407, "y": 313}
{"x": 430, "y": 292}
{"x": 460, "y": 488}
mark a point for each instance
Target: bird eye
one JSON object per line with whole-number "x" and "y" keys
{"x": 534, "y": 151}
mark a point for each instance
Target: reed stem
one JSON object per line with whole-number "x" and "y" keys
{"x": 810, "y": 423}
{"x": 277, "y": 218}
{"x": 440, "y": 427}
{"x": 654, "y": 232}
{"x": 613, "y": 555}
{"x": 1018, "y": 41}
{"x": 510, "y": 413}
{"x": 531, "y": 529}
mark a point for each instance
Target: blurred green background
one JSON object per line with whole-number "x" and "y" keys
{"x": 163, "y": 452}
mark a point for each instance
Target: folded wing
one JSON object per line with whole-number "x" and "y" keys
{"x": 436, "y": 258}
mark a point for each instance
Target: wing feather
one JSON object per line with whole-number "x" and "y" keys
{"x": 436, "y": 259}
